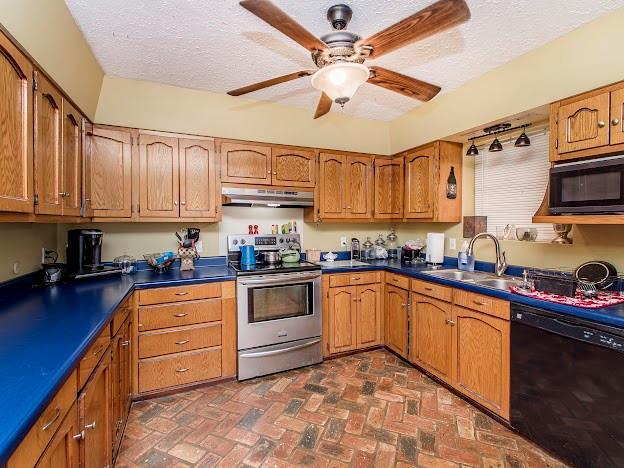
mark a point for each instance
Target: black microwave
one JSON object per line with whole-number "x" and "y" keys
{"x": 584, "y": 187}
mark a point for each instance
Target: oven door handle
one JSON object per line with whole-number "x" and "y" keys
{"x": 279, "y": 351}
{"x": 277, "y": 279}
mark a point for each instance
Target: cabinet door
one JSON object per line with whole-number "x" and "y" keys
{"x": 16, "y": 176}
{"x": 617, "y": 117}
{"x": 121, "y": 375}
{"x": 368, "y": 315}
{"x": 396, "y": 319}
{"x": 71, "y": 144}
{"x": 48, "y": 162}
{"x": 332, "y": 185}
{"x": 245, "y": 164}
{"x": 342, "y": 319}
{"x": 420, "y": 182}
{"x": 359, "y": 189}
{"x": 481, "y": 358}
{"x": 197, "y": 179}
{"x": 87, "y": 193}
{"x": 430, "y": 335}
{"x": 389, "y": 188}
{"x": 126, "y": 370}
{"x": 63, "y": 449}
{"x": 110, "y": 172}
{"x": 293, "y": 168}
{"x": 583, "y": 124}
{"x": 95, "y": 416}
{"x": 159, "y": 193}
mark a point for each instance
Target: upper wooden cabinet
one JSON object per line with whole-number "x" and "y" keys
{"x": 419, "y": 170}
{"x": 47, "y": 144}
{"x": 86, "y": 135}
{"x": 244, "y": 163}
{"x": 589, "y": 124}
{"x": 332, "y": 185}
{"x": 198, "y": 178}
{"x": 109, "y": 166}
{"x": 71, "y": 144}
{"x": 159, "y": 180}
{"x": 389, "y": 188}
{"x": 293, "y": 168}
{"x": 359, "y": 188}
{"x": 16, "y": 176}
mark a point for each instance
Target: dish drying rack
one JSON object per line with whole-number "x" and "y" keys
{"x": 562, "y": 282}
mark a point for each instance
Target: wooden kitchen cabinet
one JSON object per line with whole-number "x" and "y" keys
{"x": 293, "y": 167}
{"x": 368, "y": 319}
{"x": 72, "y": 156}
{"x": 342, "y": 319}
{"x": 617, "y": 117}
{"x": 94, "y": 403}
{"x": 481, "y": 358}
{"x": 16, "y": 138}
{"x": 159, "y": 189}
{"x": 47, "y": 147}
{"x": 109, "y": 166}
{"x": 359, "y": 188}
{"x": 245, "y": 163}
{"x": 389, "y": 188}
{"x": 63, "y": 449}
{"x": 396, "y": 319}
{"x": 121, "y": 382}
{"x": 431, "y": 335}
{"x": 198, "y": 178}
{"x": 419, "y": 183}
{"x": 332, "y": 185}
{"x": 584, "y": 123}
{"x": 87, "y": 193}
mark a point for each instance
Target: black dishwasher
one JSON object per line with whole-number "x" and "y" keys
{"x": 567, "y": 386}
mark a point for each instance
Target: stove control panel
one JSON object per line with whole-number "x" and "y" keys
{"x": 264, "y": 241}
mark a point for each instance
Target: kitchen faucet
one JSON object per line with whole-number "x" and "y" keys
{"x": 501, "y": 262}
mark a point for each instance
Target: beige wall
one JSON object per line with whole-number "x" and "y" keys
{"x": 46, "y": 29}
{"x": 22, "y": 243}
{"x": 589, "y": 57}
{"x": 168, "y": 108}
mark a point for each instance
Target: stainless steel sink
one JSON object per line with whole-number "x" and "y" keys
{"x": 458, "y": 275}
{"x": 480, "y": 278}
{"x": 498, "y": 283}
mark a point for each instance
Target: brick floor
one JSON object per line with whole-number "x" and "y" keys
{"x": 369, "y": 409}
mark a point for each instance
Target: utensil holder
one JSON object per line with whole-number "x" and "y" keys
{"x": 187, "y": 255}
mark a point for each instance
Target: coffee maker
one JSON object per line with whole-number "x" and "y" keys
{"x": 84, "y": 254}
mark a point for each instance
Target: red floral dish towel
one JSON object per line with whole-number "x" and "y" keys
{"x": 605, "y": 299}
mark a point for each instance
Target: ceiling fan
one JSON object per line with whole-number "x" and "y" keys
{"x": 339, "y": 55}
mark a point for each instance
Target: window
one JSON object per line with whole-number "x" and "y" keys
{"x": 510, "y": 186}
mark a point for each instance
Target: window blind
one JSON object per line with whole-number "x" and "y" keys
{"x": 510, "y": 186}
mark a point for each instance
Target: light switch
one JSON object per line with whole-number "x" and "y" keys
{"x": 453, "y": 244}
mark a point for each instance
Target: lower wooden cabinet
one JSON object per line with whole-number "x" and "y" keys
{"x": 121, "y": 382}
{"x": 431, "y": 335}
{"x": 368, "y": 315}
{"x": 481, "y": 358}
{"x": 63, "y": 449}
{"x": 396, "y": 314}
{"x": 342, "y": 318}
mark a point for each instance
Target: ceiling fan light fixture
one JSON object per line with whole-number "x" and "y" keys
{"x": 340, "y": 80}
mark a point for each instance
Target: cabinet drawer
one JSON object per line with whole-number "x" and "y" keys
{"x": 179, "y": 369}
{"x": 482, "y": 303}
{"x": 175, "y": 340}
{"x": 120, "y": 315}
{"x": 175, "y": 315}
{"x": 349, "y": 279}
{"x": 92, "y": 357}
{"x": 35, "y": 442}
{"x": 179, "y": 293}
{"x": 444, "y": 293}
{"x": 397, "y": 280}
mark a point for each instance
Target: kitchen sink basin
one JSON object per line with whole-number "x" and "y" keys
{"x": 498, "y": 283}
{"x": 480, "y": 278}
{"x": 458, "y": 275}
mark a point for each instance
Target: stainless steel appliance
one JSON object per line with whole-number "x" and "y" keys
{"x": 279, "y": 308}
{"x": 267, "y": 197}
{"x": 84, "y": 254}
{"x": 583, "y": 187}
{"x": 566, "y": 386}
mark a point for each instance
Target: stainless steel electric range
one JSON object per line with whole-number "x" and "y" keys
{"x": 279, "y": 308}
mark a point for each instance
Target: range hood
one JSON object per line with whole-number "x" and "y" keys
{"x": 286, "y": 198}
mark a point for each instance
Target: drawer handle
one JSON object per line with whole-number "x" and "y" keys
{"x": 181, "y": 342}
{"x": 480, "y": 303}
{"x": 90, "y": 426}
{"x": 125, "y": 343}
{"x": 181, "y": 293}
{"x": 356, "y": 279}
{"x": 403, "y": 305}
{"x": 180, "y": 315}
{"x": 184, "y": 369}
{"x": 428, "y": 289}
{"x": 57, "y": 414}
{"x": 450, "y": 322}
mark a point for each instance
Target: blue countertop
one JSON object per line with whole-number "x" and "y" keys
{"x": 45, "y": 331}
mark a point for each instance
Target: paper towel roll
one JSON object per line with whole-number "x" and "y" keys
{"x": 435, "y": 247}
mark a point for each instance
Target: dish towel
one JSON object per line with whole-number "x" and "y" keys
{"x": 605, "y": 299}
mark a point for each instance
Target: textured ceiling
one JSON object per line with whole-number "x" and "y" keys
{"x": 216, "y": 45}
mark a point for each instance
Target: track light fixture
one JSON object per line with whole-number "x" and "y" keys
{"x": 472, "y": 151}
{"x": 523, "y": 139}
{"x": 496, "y": 145}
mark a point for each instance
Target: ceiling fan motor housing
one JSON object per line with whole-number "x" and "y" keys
{"x": 339, "y": 16}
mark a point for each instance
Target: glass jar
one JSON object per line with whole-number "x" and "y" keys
{"x": 127, "y": 264}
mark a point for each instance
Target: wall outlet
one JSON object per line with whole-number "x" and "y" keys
{"x": 16, "y": 268}
{"x": 453, "y": 244}
{"x": 343, "y": 241}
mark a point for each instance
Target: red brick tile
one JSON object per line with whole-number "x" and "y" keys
{"x": 383, "y": 395}
{"x": 287, "y": 444}
{"x": 434, "y": 462}
{"x": 355, "y": 423}
{"x": 243, "y": 436}
{"x": 467, "y": 457}
{"x": 385, "y": 455}
{"x": 236, "y": 455}
{"x": 358, "y": 443}
{"x": 268, "y": 430}
{"x": 314, "y": 418}
{"x": 375, "y": 417}
{"x": 394, "y": 411}
{"x": 292, "y": 424}
{"x": 313, "y": 402}
{"x": 334, "y": 450}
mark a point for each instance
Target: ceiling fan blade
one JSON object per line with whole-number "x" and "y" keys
{"x": 323, "y": 107}
{"x": 271, "y": 82}
{"x": 408, "y": 86}
{"x": 271, "y": 14}
{"x": 441, "y": 15}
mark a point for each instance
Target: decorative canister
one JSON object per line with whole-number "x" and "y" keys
{"x": 187, "y": 255}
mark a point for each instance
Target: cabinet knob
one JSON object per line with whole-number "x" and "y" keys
{"x": 125, "y": 343}
{"x": 403, "y": 305}
{"x": 90, "y": 426}
{"x": 348, "y": 207}
{"x": 175, "y": 203}
{"x": 79, "y": 436}
{"x": 274, "y": 173}
{"x": 615, "y": 121}
{"x": 183, "y": 203}
{"x": 601, "y": 124}
{"x": 269, "y": 171}
{"x": 449, "y": 322}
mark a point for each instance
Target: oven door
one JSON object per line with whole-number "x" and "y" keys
{"x": 588, "y": 187}
{"x": 277, "y": 308}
